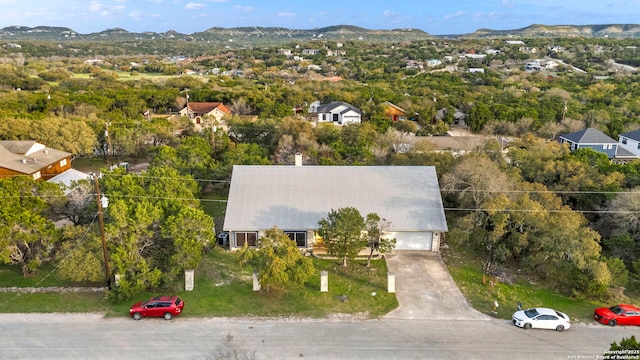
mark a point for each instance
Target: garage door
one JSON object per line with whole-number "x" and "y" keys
{"x": 416, "y": 240}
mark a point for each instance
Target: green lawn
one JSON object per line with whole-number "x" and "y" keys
{"x": 224, "y": 289}
{"x": 481, "y": 292}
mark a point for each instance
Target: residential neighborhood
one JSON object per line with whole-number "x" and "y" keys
{"x": 338, "y": 176}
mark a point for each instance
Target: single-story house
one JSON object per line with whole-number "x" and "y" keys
{"x": 28, "y": 157}
{"x": 394, "y": 112}
{"x": 296, "y": 197}
{"x": 67, "y": 179}
{"x": 196, "y": 111}
{"x": 337, "y": 112}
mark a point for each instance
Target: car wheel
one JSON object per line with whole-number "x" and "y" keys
{"x": 560, "y": 328}
{"x": 527, "y": 326}
{"x": 168, "y": 316}
{"x": 137, "y": 316}
{"x": 612, "y": 322}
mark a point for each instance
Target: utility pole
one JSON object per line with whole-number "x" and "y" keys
{"x": 107, "y": 272}
{"x": 109, "y": 149}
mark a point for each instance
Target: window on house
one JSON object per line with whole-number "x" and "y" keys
{"x": 250, "y": 238}
{"x": 63, "y": 162}
{"x": 37, "y": 175}
{"x": 300, "y": 237}
{"x": 335, "y": 117}
{"x": 624, "y": 141}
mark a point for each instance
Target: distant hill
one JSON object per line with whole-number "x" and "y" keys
{"x": 253, "y": 36}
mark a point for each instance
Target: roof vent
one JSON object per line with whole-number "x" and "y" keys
{"x": 24, "y": 161}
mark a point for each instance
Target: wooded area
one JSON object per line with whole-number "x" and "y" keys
{"x": 529, "y": 206}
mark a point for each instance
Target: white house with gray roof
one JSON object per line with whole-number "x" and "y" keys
{"x": 631, "y": 142}
{"x": 296, "y": 198}
{"x": 337, "y": 112}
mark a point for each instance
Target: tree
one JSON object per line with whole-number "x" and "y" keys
{"x": 80, "y": 255}
{"x": 188, "y": 246}
{"x": 376, "y": 229}
{"x": 625, "y": 344}
{"x": 278, "y": 260}
{"x": 342, "y": 231}
{"x": 27, "y": 235}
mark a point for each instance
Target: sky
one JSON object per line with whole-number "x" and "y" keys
{"x": 439, "y": 17}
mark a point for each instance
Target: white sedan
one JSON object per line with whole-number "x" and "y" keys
{"x": 541, "y": 318}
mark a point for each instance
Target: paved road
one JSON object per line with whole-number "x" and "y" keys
{"x": 432, "y": 322}
{"x": 55, "y": 336}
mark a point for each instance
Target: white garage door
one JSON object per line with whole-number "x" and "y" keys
{"x": 416, "y": 240}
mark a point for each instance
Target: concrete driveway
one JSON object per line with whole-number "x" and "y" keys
{"x": 426, "y": 290}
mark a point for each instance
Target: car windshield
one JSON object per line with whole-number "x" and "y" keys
{"x": 531, "y": 313}
{"x": 178, "y": 301}
{"x": 616, "y": 310}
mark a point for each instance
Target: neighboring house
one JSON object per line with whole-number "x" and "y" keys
{"x": 296, "y": 198}
{"x": 337, "y": 112}
{"x": 434, "y": 63}
{"x": 458, "y": 116}
{"x": 592, "y": 139}
{"x": 197, "y": 111}
{"x": 629, "y": 141}
{"x": 33, "y": 159}
{"x": 394, "y": 112}
{"x": 67, "y": 179}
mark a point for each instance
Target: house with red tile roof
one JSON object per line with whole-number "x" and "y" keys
{"x": 197, "y": 112}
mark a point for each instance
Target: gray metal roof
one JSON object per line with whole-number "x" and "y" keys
{"x": 589, "y": 136}
{"x": 297, "y": 197}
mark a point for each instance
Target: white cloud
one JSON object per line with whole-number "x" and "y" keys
{"x": 106, "y": 10}
{"x": 194, "y": 6}
{"x": 243, "y": 8}
{"x": 142, "y": 14}
{"x": 286, "y": 15}
{"x": 456, "y": 14}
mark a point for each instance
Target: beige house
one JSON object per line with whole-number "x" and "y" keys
{"x": 197, "y": 112}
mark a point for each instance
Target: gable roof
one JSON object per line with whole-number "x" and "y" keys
{"x": 588, "y": 136}
{"x": 28, "y": 157}
{"x": 297, "y": 197}
{"x": 68, "y": 177}
{"x": 327, "y": 108}
{"x": 634, "y": 135}
{"x": 207, "y": 107}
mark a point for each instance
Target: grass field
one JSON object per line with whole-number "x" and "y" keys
{"x": 224, "y": 289}
{"x": 481, "y": 291}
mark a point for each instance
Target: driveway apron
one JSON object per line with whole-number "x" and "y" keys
{"x": 425, "y": 289}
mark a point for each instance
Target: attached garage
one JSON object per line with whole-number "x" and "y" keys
{"x": 295, "y": 198}
{"x": 416, "y": 240}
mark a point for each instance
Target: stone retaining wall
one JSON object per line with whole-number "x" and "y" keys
{"x": 51, "y": 289}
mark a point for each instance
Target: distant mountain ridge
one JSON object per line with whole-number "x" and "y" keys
{"x": 257, "y": 35}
